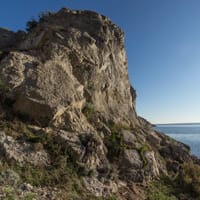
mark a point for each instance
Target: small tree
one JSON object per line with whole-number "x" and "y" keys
{"x": 43, "y": 16}
{"x": 31, "y": 24}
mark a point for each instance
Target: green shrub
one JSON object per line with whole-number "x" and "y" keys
{"x": 62, "y": 169}
{"x": 186, "y": 185}
{"x": 189, "y": 178}
{"x": 160, "y": 190}
{"x": 30, "y": 25}
{"x": 9, "y": 193}
{"x": 89, "y": 112}
{"x": 43, "y": 16}
{"x": 114, "y": 142}
{"x": 29, "y": 196}
{"x": 18, "y": 130}
{"x": 111, "y": 198}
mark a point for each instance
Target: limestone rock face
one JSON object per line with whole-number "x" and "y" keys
{"x": 68, "y": 59}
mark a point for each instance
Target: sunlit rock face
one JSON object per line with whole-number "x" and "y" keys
{"x": 69, "y": 59}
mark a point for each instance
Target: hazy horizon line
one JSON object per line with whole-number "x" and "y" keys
{"x": 175, "y": 123}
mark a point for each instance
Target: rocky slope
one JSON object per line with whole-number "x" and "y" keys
{"x": 69, "y": 129}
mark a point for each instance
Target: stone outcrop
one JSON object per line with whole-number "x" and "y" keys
{"x": 8, "y": 38}
{"x": 67, "y": 80}
{"x": 63, "y": 64}
{"x": 22, "y": 151}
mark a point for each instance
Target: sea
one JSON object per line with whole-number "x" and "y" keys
{"x": 186, "y": 133}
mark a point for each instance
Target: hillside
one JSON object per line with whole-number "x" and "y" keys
{"x": 68, "y": 124}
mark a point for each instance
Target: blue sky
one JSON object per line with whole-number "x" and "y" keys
{"x": 163, "y": 47}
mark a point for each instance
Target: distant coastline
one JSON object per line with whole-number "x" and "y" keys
{"x": 187, "y": 133}
{"x": 167, "y": 124}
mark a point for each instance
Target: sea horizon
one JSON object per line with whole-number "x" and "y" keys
{"x": 178, "y": 123}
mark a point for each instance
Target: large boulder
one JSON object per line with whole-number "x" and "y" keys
{"x": 132, "y": 159}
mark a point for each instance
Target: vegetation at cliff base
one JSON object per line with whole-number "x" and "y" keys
{"x": 186, "y": 185}
{"x": 189, "y": 179}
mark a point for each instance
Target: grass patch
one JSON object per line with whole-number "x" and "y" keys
{"x": 29, "y": 196}
{"x": 61, "y": 174}
{"x": 161, "y": 190}
{"x": 62, "y": 169}
{"x": 18, "y": 130}
{"x": 111, "y": 198}
{"x": 9, "y": 193}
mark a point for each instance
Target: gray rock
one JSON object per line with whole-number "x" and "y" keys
{"x": 9, "y": 177}
{"x": 22, "y": 152}
{"x": 152, "y": 166}
{"x": 87, "y": 149}
{"x": 128, "y": 138}
{"x": 175, "y": 151}
{"x": 131, "y": 159}
{"x": 132, "y": 176}
{"x": 153, "y": 138}
{"x": 144, "y": 123}
{"x": 99, "y": 188}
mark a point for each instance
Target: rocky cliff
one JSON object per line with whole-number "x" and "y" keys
{"x": 69, "y": 129}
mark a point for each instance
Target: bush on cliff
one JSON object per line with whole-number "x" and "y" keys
{"x": 43, "y": 16}
{"x": 189, "y": 178}
{"x": 31, "y": 24}
{"x": 186, "y": 185}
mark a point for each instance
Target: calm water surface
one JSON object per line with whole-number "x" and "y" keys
{"x": 186, "y": 133}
